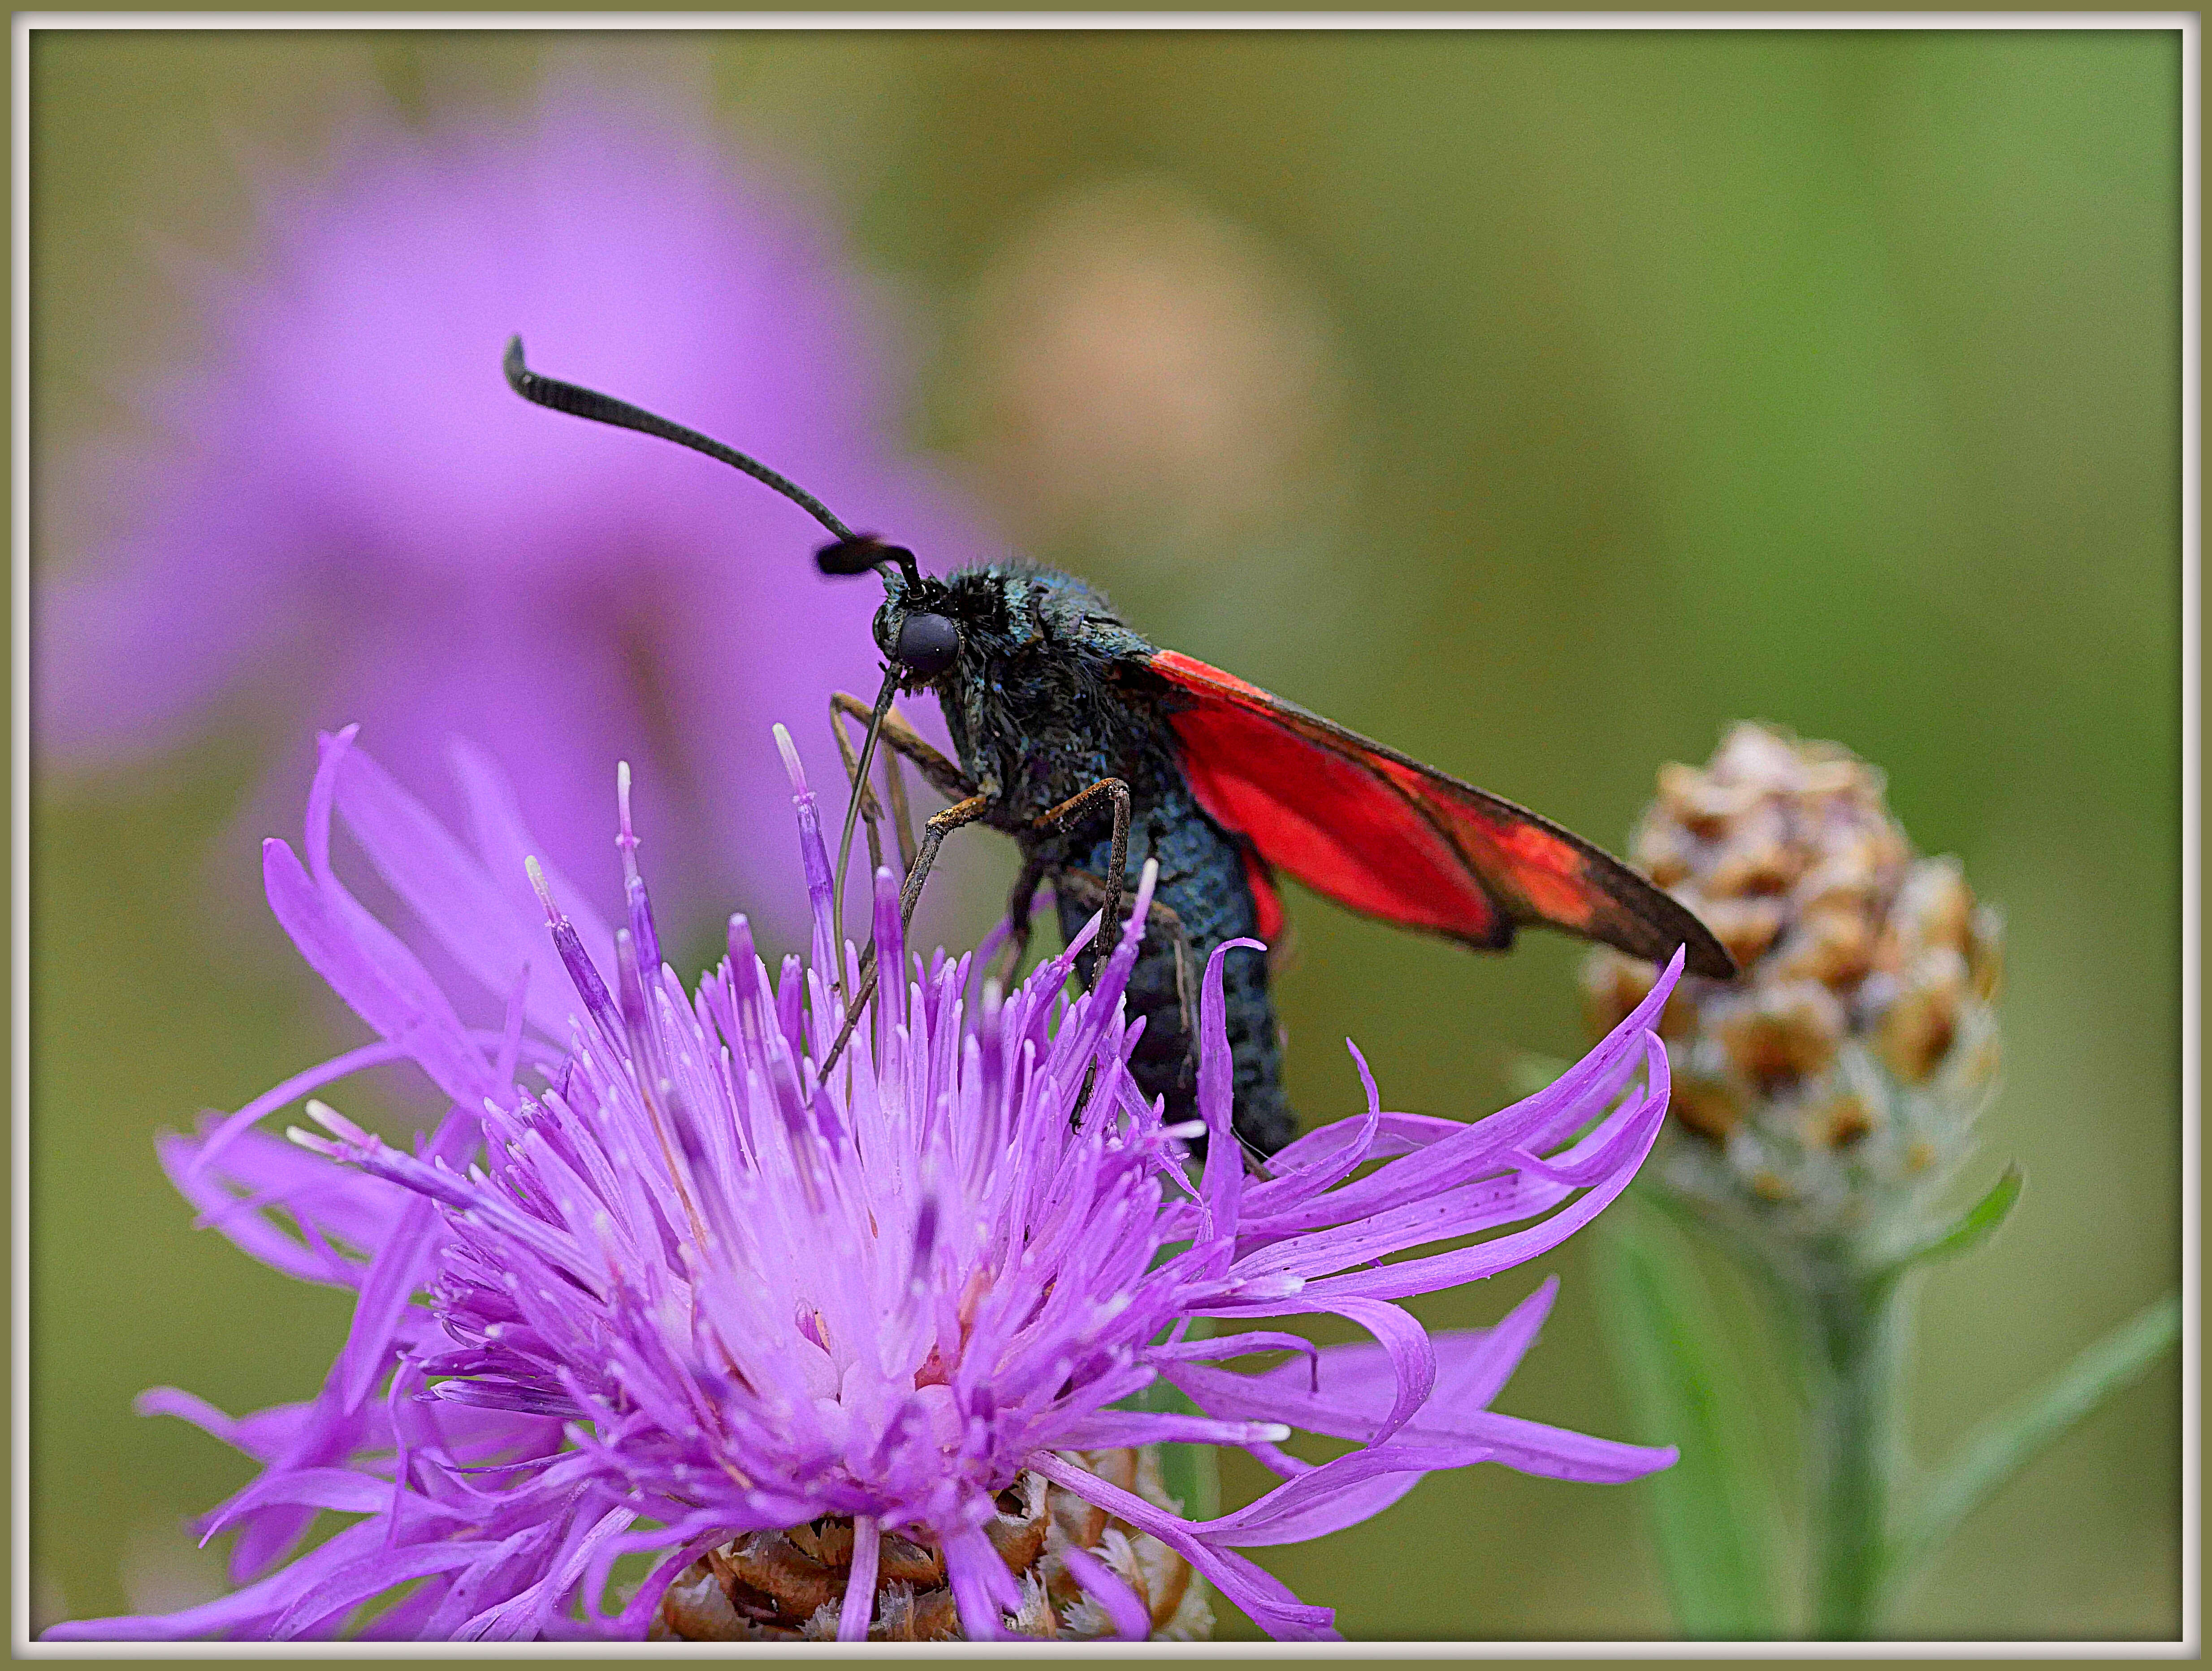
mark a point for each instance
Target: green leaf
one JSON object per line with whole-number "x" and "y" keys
{"x": 1972, "y": 1227}
{"x": 1714, "y": 1515}
{"x": 1996, "y": 1451}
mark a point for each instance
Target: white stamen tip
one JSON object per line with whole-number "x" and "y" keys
{"x": 628, "y": 838}
{"x": 789, "y": 751}
{"x": 334, "y": 1123}
{"x": 536, "y": 873}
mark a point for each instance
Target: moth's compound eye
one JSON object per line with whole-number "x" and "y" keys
{"x": 927, "y": 644}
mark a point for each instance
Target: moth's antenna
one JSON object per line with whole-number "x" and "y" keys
{"x": 583, "y": 403}
{"x": 859, "y": 553}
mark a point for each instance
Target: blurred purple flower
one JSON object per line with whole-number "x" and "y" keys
{"x": 356, "y": 512}
{"x": 684, "y": 1288}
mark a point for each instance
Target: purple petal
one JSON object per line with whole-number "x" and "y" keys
{"x": 638, "y": 1613}
{"x": 1107, "y": 1429}
{"x": 1422, "y": 1276}
{"x": 1402, "y": 1339}
{"x": 264, "y": 1434}
{"x": 1264, "y": 1598}
{"x": 491, "y": 932}
{"x": 526, "y": 1614}
{"x": 1222, "y": 1185}
{"x": 504, "y": 843}
{"x": 1474, "y": 1151}
{"x": 212, "y": 1142}
{"x": 1473, "y": 1366}
{"x": 245, "y": 1613}
{"x": 413, "y": 1014}
{"x": 1210, "y": 1346}
{"x": 315, "y": 1611}
{"x": 327, "y": 1203}
{"x": 859, "y": 1608}
{"x": 1320, "y": 1165}
{"x": 1330, "y": 1497}
{"x": 1133, "y": 1621}
{"x": 981, "y": 1584}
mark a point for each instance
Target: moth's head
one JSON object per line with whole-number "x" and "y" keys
{"x": 918, "y": 629}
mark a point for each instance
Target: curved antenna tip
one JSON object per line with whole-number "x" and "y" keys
{"x": 859, "y": 553}
{"x": 580, "y": 402}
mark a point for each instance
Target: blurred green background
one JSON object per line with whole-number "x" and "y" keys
{"x": 1564, "y": 397}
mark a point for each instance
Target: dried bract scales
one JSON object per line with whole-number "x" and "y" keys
{"x": 790, "y": 1585}
{"x": 1835, "y": 1082}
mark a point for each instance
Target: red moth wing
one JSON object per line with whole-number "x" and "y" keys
{"x": 1261, "y": 881}
{"x": 1384, "y": 834}
{"x": 1323, "y": 815}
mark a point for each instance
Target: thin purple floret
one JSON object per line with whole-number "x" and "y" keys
{"x": 656, "y": 1282}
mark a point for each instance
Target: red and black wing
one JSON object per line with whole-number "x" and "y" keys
{"x": 1388, "y": 837}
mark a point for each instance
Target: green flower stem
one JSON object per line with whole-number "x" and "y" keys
{"x": 1858, "y": 1327}
{"x": 1998, "y": 1449}
{"x": 1191, "y": 1474}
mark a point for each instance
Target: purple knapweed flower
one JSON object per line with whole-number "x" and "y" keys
{"x": 654, "y": 1281}
{"x": 352, "y": 509}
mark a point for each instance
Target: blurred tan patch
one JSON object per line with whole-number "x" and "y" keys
{"x": 1148, "y": 372}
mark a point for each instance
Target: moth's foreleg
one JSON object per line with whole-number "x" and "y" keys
{"x": 871, "y": 810}
{"x": 1019, "y": 905}
{"x": 900, "y": 739}
{"x": 939, "y": 772}
{"x": 902, "y": 814}
{"x": 932, "y": 837}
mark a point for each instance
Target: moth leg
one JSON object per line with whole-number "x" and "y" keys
{"x": 899, "y": 738}
{"x": 1020, "y": 904}
{"x": 902, "y": 814}
{"x": 1186, "y": 993}
{"x": 871, "y": 810}
{"x": 1088, "y": 887}
{"x": 1163, "y": 916}
{"x": 933, "y": 833}
{"x": 1107, "y": 789}
{"x": 940, "y": 774}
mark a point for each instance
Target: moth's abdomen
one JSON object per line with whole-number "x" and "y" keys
{"x": 1202, "y": 881}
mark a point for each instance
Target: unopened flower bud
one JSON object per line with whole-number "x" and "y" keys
{"x": 1834, "y": 1083}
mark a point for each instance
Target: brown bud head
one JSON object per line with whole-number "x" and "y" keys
{"x": 1845, "y": 1064}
